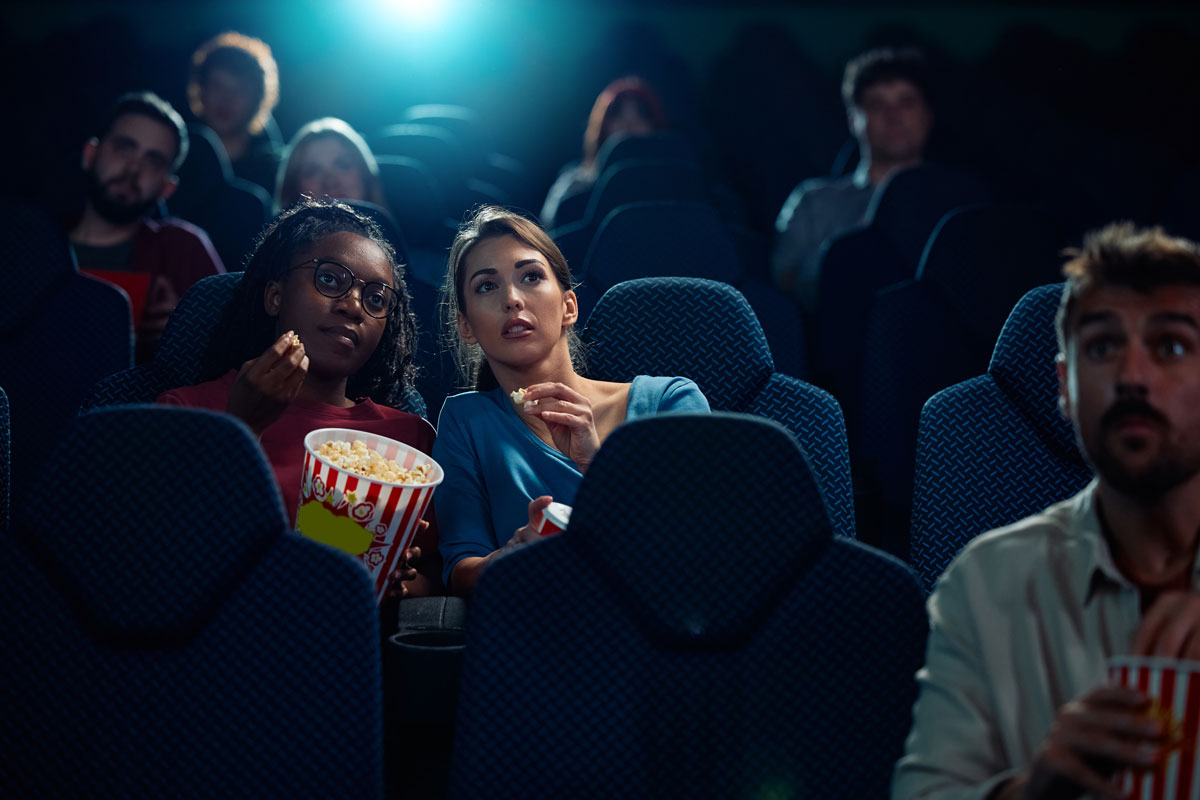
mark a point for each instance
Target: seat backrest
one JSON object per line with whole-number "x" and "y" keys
{"x": 657, "y": 239}
{"x": 692, "y": 691}
{"x": 387, "y": 225}
{"x": 926, "y": 334}
{"x": 202, "y": 174}
{"x": 706, "y": 331}
{"x": 994, "y": 449}
{"x": 909, "y": 205}
{"x": 67, "y": 332}
{"x": 174, "y": 638}
{"x": 416, "y": 200}
{"x": 433, "y": 146}
{"x": 644, "y": 179}
{"x": 621, "y": 147}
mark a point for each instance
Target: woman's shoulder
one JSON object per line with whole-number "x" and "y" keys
{"x": 655, "y": 393}
{"x": 470, "y": 405}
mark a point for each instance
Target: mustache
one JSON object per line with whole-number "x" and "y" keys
{"x": 1128, "y": 407}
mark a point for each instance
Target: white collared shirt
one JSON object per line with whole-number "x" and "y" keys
{"x": 1021, "y": 623}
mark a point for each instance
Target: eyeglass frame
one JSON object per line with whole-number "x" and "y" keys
{"x": 315, "y": 265}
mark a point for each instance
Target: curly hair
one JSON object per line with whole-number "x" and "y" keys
{"x": 244, "y": 56}
{"x": 489, "y": 222}
{"x": 246, "y": 329}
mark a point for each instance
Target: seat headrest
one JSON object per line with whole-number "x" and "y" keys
{"x": 661, "y": 239}
{"x": 1023, "y": 367}
{"x": 36, "y": 245}
{"x": 703, "y": 330}
{"x": 191, "y": 326}
{"x": 148, "y": 516}
{"x": 908, "y": 206}
{"x": 701, "y": 521}
{"x": 982, "y": 259}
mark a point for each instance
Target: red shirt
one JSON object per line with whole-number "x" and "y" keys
{"x": 283, "y": 441}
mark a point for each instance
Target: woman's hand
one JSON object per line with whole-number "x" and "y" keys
{"x": 405, "y": 581}
{"x": 529, "y": 533}
{"x": 568, "y": 415}
{"x": 264, "y": 386}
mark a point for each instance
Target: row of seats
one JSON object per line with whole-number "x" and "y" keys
{"x": 244, "y": 659}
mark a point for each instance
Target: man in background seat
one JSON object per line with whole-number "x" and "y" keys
{"x": 130, "y": 168}
{"x": 885, "y": 92}
{"x": 1014, "y": 697}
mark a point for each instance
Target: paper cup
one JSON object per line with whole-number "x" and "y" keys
{"x": 371, "y": 519}
{"x": 554, "y": 519}
{"x": 1174, "y": 688}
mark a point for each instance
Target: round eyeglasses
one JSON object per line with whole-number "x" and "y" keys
{"x": 335, "y": 280}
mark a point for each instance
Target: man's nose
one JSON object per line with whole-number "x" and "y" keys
{"x": 1133, "y": 370}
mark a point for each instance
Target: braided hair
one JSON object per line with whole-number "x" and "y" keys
{"x": 246, "y": 330}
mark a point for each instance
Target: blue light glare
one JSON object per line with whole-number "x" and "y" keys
{"x": 425, "y": 14}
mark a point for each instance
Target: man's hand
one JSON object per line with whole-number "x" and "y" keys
{"x": 1171, "y": 628}
{"x": 265, "y": 385}
{"x": 1105, "y": 730}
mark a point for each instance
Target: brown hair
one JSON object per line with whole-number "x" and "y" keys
{"x": 287, "y": 184}
{"x": 489, "y": 222}
{"x": 1121, "y": 254}
{"x": 609, "y": 104}
{"x": 882, "y": 65}
{"x": 244, "y": 56}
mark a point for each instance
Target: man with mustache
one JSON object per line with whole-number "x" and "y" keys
{"x": 130, "y": 168}
{"x": 1014, "y": 699}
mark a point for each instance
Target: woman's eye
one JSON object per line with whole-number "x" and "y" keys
{"x": 484, "y": 287}
{"x": 532, "y": 277}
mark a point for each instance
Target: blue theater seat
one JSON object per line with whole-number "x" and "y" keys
{"x": 167, "y": 636}
{"x": 706, "y": 331}
{"x": 690, "y": 637}
{"x": 994, "y": 449}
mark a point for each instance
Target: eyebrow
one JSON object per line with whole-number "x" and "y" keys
{"x": 484, "y": 271}
{"x": 524, "y": 262}
{"x": 1169, "y": 317}
{"x": 1095, "y": 317}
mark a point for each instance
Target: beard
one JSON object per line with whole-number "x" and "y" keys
{"x": 113, "y": 209}
{"x": 1171, "y": 467}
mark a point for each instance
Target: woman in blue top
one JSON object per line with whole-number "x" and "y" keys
{"x": 511, "y": 309}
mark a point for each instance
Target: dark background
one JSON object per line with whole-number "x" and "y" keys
{"x": 1099, "y": 98}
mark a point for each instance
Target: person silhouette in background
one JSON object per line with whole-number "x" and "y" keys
{"x": 886, "y": 95}
{"x": 130, "y": 167}
{"x": 328, "y": 158}
{"x": 627, "y": 105}
{"x": 232, "y": 88}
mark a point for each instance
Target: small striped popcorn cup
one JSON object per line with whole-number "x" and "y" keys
{"x": 1174, "y": 691}
{"x": 370, "y": 518}
{"x": 554, "y": 519}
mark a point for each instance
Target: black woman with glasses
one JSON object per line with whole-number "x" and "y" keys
{"x": 319, "y": 334}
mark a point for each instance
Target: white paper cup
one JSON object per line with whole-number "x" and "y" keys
{"x": 1174, "y": 688}
{"x": 372, "y": 519}
{"x": 554, "y": 519}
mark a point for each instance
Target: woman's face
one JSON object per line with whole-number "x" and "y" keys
{"x": 329, "y": 168}
{"x": 230, "y": 102}
{"x": 338, "y": 336}
{"x": 513, "y": 306}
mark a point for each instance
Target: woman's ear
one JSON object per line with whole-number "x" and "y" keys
{"x": 273, "y": 298}
{"x": 464, "y": 328}
{"x": 570, "y": 308}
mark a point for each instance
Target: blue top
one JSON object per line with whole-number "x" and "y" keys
{"x": 495, "y": 465}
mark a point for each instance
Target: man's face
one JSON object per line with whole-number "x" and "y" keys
{"x": 129, "y": 170}
{"x": 893, "y": 120}
{"x": 1130, "y": 384}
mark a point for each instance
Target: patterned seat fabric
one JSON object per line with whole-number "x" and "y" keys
{"x": 995, "y": 448}
{"x": 67, "y": 332}
{"x": 694, "y": 686}
{"x": 5, "y": 459}
{"x": 169, "y": 636}
{"x": 706, "y": 331}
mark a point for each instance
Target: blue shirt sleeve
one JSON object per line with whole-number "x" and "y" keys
{"x": 464, "y": 521}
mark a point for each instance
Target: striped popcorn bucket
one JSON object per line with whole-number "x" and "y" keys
{"x": 1174, "y": 690}
{"x": 372, "y": 519}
